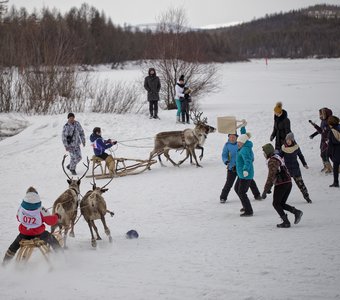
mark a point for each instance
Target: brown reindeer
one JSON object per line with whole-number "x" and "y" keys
{"x": 66, "y": 204}
{"x": 93, "y": 207}
{"x": 188, "y": 139}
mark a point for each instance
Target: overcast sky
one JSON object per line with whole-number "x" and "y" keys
{"x": 199, "y": 13}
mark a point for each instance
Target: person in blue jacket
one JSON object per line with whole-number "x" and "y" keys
{"x": 100, "y": 145}
{"x": 229, "y": 154}
{"x": 245, "y": 172}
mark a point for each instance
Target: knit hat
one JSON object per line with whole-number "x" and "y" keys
{"x": 268, "y": 149}
{"x": 31, "y": 201}
{"x": 132, "y": 234}
{"x": 243, "y": 138}
{"x": 278, "y": 108}
{"x": 333, "y": 121}
{"x": 181, "y": 78}
{"x": 290, "y": 136}
{"x": 70, "y": 115}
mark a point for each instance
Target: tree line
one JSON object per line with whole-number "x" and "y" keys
{"x": 86, "y": 36}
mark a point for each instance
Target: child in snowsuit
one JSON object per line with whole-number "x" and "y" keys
{"x": 323, "y": 130}
{"x": 229, "y": 154}
{"x": 334, "y": 147}
{"x": 290, "y": 151}
{"x": 32, "y": 219}
{"x": 278, "y": 176}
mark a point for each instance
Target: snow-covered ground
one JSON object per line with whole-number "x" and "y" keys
{"x": 190, "y": 245}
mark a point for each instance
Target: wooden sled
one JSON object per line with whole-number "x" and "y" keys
{"x": 123, "y": 167}
{"x": 27, "y": 247}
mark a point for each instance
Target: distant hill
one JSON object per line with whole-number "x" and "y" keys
{"x": 310, "y": 32}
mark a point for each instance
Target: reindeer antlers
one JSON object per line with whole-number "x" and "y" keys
{"x": 86, "y": 165}
{"x": 195, "y": 116}
{"x": 62, "y": 163}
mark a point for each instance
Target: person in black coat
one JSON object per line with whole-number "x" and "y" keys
{"x": 281, "y": 126}
{"x": 290, "y": 151}
{"x": 153, "y": 85}
{"x": 334, "y": 147}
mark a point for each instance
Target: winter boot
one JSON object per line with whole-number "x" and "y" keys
{"x": 285, "y": 223}
{"x": 222, "y": 201}
{"x": 298, "y": 214}
{"x": 328, "y": 167}
{"x": 111, "y": 165}
{"x": 177, "y": 120}
{"x": 8, "y": 256}
{"x": 334, "y": 184}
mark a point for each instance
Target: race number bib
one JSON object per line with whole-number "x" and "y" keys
{"x": 30, "y": 218}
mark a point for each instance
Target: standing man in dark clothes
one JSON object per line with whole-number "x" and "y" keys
{"x": 334, "y": 147}
{"x": 278, "y": 176}
{"x": 153, "y": 85}
{"x": 281, "y": 126}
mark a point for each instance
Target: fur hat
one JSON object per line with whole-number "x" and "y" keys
{"x": 290, "y": 136}
{"x": 181, "y": 78}
{"x": 243, "y": 138}
{"x": 268, "y": 149}
{"x": 70, "y": 115}
{"x": 278, "y": 108}
{"x": 333, "y": 121}
{"x": 31, "y": 200}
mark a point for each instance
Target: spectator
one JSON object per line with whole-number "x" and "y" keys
{"x": 290, "y": 151}
{"x": 281, "y": 126}
{"x": 72, "y": 136}
{"x": 153, "y": 85}
{"x": 334, "y": 147}
{"x": 278, "y": 176}
{"x": 245, "y": 172}
{"x": 323, "y": 130}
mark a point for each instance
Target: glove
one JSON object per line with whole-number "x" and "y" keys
{"x": 245, "y": 173}
{"x": 186, "y": 96}
{"x": 269, "y": 192}
{"x": 84, "y": 144}
{"x": 226, "y": 162}
{"x": 114, "y": 142}
{"x": 306, "y": 167}
{"x": 264, "y": 195}
{"x": 271, "y": 138}
{"x": 311, "y": 137}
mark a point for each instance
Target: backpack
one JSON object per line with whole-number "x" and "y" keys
{"x": 282, "y": 175}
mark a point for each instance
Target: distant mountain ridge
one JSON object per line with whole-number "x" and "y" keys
{"x": 309, "y": 32}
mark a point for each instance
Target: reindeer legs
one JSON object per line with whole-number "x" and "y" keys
{"x": 107, "y": 230}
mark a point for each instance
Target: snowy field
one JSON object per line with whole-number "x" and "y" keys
{"x": 190, "y": 245}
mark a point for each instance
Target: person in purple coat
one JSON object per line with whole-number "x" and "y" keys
{"x": 291, "y": 151}
{"x": 334, "y": 147}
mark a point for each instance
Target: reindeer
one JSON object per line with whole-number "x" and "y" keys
{"x": 188, "y": 139}
{"x": 93, "y": 207}
{"x": 66, "y": 204}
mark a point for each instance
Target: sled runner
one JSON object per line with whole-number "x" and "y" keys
{"x": 123, "y": 167}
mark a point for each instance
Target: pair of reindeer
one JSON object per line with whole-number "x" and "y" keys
{"x": 93, "y": 205}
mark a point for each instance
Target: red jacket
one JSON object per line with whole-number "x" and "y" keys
{"x": 49, "y": 220}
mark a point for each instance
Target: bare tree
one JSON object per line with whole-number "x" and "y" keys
{"x": 180, "y": 53}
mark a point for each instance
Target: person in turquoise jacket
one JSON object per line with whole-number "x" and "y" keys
{"x": 229, "y": 154}
{"x": 245, "y": 172}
